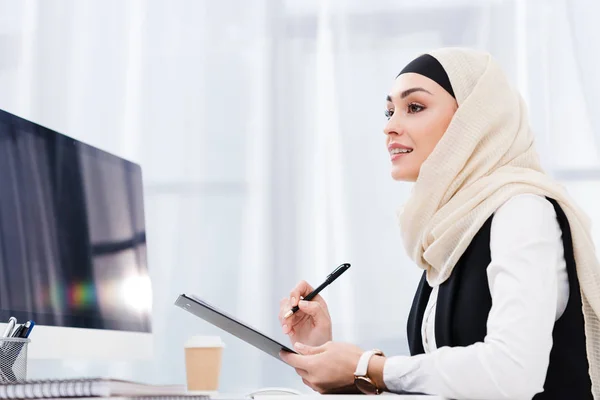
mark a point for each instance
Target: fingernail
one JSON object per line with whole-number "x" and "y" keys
{"x": 298, "y": 345}
{"x": 293, "y": 301}
{"x": 285, "y": 328}
{"x": 303, "y": 302}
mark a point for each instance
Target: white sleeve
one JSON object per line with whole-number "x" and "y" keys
{"x": 524, "y": 278}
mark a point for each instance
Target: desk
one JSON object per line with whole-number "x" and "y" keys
{"x": 286, "y": 397}
{"x": 344, "y": 397}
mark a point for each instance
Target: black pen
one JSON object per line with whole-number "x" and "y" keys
{"x": 330, "y": 278}
{"x": 18, "y": 331}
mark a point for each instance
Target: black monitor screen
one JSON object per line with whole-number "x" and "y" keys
{"x": 72, "y": 232}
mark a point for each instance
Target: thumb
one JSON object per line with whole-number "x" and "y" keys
{"x": 307, "y": 350}
{"x": 312, "y": 308}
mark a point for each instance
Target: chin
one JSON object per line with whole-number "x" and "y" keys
{"x": 403, "y": 176}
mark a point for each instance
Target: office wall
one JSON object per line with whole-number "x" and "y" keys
{"x": 259, "y": 129}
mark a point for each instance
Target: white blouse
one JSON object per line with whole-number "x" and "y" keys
{"x": 529, "y": 286}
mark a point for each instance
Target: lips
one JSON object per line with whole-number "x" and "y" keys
{"x": 397, "y": 149}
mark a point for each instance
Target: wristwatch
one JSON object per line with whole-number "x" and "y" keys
{"x": 361, "y": 380}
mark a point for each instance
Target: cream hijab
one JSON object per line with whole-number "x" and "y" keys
{"x": 485, "y": 157}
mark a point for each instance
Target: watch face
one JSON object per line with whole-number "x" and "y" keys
{"x": 365, "y": 385}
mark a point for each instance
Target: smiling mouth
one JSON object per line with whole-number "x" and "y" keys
{"x": 400, "y": 151}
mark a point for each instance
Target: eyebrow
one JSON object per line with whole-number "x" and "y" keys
{"x": 408, "y": 92}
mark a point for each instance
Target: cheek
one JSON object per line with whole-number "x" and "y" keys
{"x": 424, "y": 135}
{"x": 445, "y": 118}
{"x": 430, "y": 130}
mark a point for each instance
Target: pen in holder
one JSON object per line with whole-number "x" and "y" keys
{"x": 13, "y": 359}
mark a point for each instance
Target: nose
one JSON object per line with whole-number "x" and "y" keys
{"x": 391, "y": 127}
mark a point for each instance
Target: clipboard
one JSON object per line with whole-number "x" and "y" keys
{"x": 220, "y": 319}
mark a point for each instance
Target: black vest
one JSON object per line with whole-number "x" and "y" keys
{"x": 464, "y": 302}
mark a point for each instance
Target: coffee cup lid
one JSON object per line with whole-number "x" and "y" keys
{"x": 204, "y": 341}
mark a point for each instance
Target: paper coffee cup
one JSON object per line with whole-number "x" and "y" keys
{"x": 203, "y": 356}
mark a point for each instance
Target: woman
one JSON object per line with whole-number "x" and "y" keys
{"x": 509, "y": 300}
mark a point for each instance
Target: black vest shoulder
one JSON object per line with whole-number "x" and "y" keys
{"x": 464, "y": 302}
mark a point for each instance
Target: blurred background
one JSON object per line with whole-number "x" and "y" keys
{"x": 258, "y": 125}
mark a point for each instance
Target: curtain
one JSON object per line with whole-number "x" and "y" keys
{"x": 259, "y": 129}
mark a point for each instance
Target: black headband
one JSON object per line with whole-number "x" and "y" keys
{"x": 429, "y": 66}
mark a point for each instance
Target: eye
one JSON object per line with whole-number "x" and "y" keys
{"x": 414, "y": 108}
{"x": 389, "y": 113}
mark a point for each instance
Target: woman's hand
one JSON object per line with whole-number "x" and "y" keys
{"x": 311, "y": 324}
{"x": 328, "y": 368}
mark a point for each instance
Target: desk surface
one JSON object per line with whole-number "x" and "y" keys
{"x": 213, "y": 395}
{"x": 343, "y": 397}
{"x": 287, "y": 397}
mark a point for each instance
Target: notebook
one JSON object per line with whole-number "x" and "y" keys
{"x": 173, "y": 397}
{"x": 88, "y": 387}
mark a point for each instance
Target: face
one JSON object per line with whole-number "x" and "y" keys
{"x": 419, "y": 112}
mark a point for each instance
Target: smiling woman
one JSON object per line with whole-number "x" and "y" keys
{"x": 424, "y": 103}
{"x": 509, "y": 299}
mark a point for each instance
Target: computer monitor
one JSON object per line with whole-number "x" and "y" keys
{"x": 72, "y": 246}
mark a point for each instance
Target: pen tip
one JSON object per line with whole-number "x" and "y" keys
{"x": 287, "y": 314}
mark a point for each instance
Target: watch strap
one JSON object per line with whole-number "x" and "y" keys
{"x": 363, "y": 362}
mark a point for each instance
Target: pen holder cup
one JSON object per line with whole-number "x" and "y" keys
{"x": 13, "y": 359}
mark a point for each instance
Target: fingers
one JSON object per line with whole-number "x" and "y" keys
{"x": 301, "y": 290}
{"x": 310, "y": 385}
{"x": 295, "y": 360}
{"x": 302, "y": 372}
{"x": 302, "y": 364}
{"x": 307, "y": 350}
{"x": 287, "y": 324}
{"x": 312, "y": 308}
{"x": 289, "y": 330}
{"x": 316, "y": 309}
